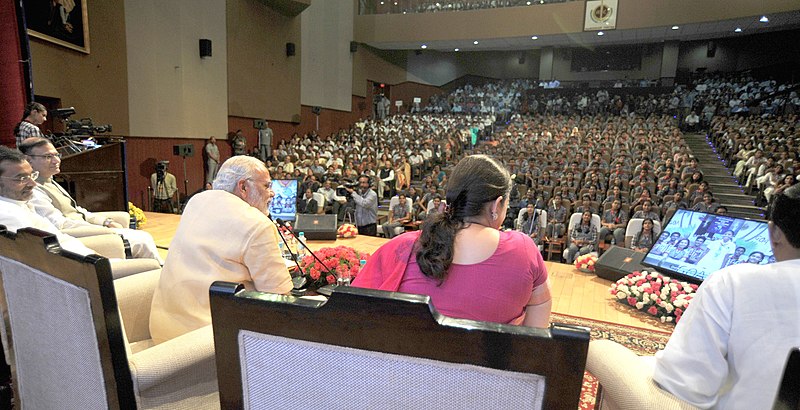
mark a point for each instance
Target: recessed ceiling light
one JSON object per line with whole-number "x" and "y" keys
{"x": 535, "y": 38}
{"x": 541, "y": 1}
{"x": 675, "y": 27}
{"x": 475, "y": 42}
{"x": 381, "y": 3}
{"x": 600, "y": 33}
{"x": 395, "y": 3}
{"x": 737, "y": 30}
{"x": 457, "y": 49}
{"x": 528, "y": 3}
{"x": 764, "y": 19}
{"x": 424, "y": 46}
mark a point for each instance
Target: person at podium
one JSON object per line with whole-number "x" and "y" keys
{"x": 462, "y": 260}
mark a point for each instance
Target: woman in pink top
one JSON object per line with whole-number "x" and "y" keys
{"x": 461, "y": 259}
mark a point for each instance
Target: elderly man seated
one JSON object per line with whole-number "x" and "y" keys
{"x": 224, "y": 234}
{"x": 51, "y": 201}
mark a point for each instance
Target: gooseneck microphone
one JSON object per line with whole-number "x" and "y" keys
{"x": 279, "y": 222}
{"x": 298, "y": 281}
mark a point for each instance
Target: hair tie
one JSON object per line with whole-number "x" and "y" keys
{"x": 448, "y": 211}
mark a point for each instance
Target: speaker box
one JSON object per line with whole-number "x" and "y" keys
{"x": 353, "y": 46}
{"x": 316, "y": 227}
{"x": 183, "y": 150}
{"x": 618, "y": 262}
{"x": 205, "y": 48}
{"x": 289, "y": 49}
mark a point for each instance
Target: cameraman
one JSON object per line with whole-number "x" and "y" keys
{"x": 366, "y": 201}
{"x": 164, "y": 187}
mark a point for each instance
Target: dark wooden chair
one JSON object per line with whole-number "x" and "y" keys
{"x": 788, "y": 397}
{"x": 366, "y": 348}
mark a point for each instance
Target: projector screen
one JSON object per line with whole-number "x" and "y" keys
{"x": 284, "y": 203}
{"x": 693, "y": 245}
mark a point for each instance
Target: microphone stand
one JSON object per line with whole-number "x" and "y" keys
{"x": 325, "y": 290}
{"x": 297, "y": 281}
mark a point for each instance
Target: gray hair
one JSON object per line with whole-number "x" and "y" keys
{"x": 236, "y": 169}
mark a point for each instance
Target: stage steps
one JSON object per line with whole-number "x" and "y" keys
{"x": 724, "y": 186}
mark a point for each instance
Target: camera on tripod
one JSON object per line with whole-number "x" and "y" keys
{"x": 85, "y": 126}
{"x": 161, "y": 170}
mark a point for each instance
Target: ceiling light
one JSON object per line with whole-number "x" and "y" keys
{"x": 764, "y": 19}
{"x": 381, "y": 3}
{"x": 424, "y": 46}
{"x": 675, "y": 27}
{"x": 457, "y": 49}
{"x": 475, "y": 42}
{"x": 600, "y": 33}
{"x": 737, "y": 30}
{"x": 535, "y": 38}
{"x": 528, "y": 3}
{"x": 541, "y": 1}
{"x": 395, "y": 3}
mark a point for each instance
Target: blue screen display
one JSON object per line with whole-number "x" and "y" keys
{"x": 694, "y": 245}
{"x": 284, "y": 203}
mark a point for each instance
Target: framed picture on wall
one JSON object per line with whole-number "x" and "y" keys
{"x": 63, "y": 22}
{"x": 600, "y": 15}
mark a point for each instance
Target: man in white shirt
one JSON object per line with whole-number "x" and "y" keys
{"x": 17, "y": 182}
{"x": 51, "y": 201}
{"x": 731, "y": 345}
{"x": 224, "y": 234}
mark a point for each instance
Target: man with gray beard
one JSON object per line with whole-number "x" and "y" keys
{"x": 224, "y": 234}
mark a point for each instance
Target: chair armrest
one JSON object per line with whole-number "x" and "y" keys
{"x": 185, "y": 362}
{"x": 121, "y": 268}
{"x": 108, "y": 245}
{"x": 84, "y": 231}
{"x": 626, "y": 379}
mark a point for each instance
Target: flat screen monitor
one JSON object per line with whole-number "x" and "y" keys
{"x": 284, "y": 203}
{"x": 694, "y": 245}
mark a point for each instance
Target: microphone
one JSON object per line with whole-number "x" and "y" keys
{"x": 297, "y": 281}
{"x": 280, "y": 222}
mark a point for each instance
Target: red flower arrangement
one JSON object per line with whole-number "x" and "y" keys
{"x": 342, "y": 260}
{"x": 585, "y": 263}
{"x": 655, "y": 294}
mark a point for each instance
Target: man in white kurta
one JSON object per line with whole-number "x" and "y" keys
{"x": 224, "y": 234}
{"x": 54, "y": 203}
{"x": 730, "y": 347}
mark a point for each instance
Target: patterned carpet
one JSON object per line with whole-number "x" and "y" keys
{"x": 641, "y": 341}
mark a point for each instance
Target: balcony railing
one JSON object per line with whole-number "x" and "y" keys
{"x": 440, "y": 6}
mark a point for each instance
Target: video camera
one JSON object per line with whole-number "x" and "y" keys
{"x": 341, "y": 190}
{"x": 85, "y": 126}
{"x": 161, "y": 170}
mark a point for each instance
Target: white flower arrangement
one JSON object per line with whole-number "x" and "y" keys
{"x": 658, "y": 295}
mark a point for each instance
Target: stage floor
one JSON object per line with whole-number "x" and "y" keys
{"x": 574, "y": 293}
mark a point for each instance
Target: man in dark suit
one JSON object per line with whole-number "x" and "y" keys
{"x": 308, "y": 205}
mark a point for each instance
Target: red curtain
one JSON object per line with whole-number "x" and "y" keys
{"x": 12, "y": 83}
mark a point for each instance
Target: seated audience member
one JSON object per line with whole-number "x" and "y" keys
{"x": 582, "y": 239}
{"x": 335, "y": 202}
{"x": 399, "y": 214}
{"x": 437, "y": 206}
{"x": 707, "y": 205}
{"x": 556, "y": 218}
{"x": 645, "y": 238}
{"x": 51, "y": 201}
{"x": 461, "y": 259}
{"x": 17, "y": 182}
{"x": 224, "y": 234}
{"x": 646, "y": 211}
{"x": 531, "y": 224}
{"x": 613, "y": 224}
{"x": 308, "y": 205}
{"x": 730, "y": 347}
{"x": 721, "y": 210}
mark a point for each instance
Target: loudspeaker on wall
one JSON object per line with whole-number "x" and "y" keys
{"x": 289, "y": 49}
{"x": 205, "y": 48}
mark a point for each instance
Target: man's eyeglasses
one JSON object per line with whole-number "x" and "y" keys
{"x": 24, "y": 178}
{"x": 48, "y": 157}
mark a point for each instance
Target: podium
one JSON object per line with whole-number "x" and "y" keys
{"x": 97, "y": 178}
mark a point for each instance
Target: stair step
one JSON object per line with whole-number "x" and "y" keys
{"x": 748, "y": 215}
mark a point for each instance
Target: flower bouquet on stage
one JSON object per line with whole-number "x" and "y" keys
{"x": 343, "y": 261}
{"x": 585, "y": 263}
{"x": 658, "y": 295}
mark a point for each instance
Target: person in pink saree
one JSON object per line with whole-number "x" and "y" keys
{"x": 462, "y": 260}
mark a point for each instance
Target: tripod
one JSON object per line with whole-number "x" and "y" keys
{"x": 161, "y": 204}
